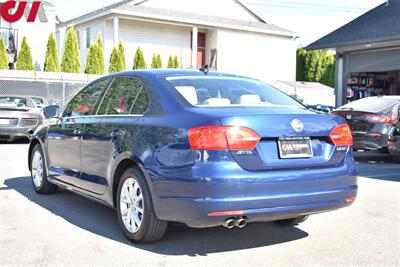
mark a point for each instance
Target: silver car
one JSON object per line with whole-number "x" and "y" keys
{"x": 19, "y": 117}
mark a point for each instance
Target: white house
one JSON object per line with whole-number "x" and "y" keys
{"x": 228, "y": 35}
{"x": 37, "y": 33}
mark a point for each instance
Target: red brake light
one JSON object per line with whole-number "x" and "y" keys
{"x": 341, "y": 136}
{"x": 380, "y": 119}
{"x": 223, "y": 138}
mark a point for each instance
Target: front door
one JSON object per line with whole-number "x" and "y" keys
{"x": 107, "y": 136}
{"x": 64, "y": 138}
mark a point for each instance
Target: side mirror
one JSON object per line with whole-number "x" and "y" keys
{"x": 52, "y": 111}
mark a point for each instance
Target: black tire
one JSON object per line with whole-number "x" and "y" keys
{"x": 292, "y": 222}
{"x": 45, "y": 187}
{"x": 152, "y": 229}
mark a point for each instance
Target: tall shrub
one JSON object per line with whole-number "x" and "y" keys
{"x": 3, "y": 55}
{"x": 176, "y": 62}
{"x": 121, "y": 56}
{"x": 100, "y": 55}
{"x": 154, "y": 64}
{"x": 171, "y": 63}
{"x": 24, "y": 61}
{"x": 114, "y": 61}
{"x": 139, "y": 61}
{"x": 95, "y": 58}
{"x": 159, "y": 62}
{"x": 51, "y": 63}
{"x": 316, "y": 66}
{"x": 71, "y": 56}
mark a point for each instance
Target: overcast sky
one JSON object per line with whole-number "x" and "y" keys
{"x": 311, "y": 19}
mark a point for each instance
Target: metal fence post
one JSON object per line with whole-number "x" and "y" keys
{"x": 63, "y": 86}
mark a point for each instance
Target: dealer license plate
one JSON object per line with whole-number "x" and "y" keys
{"x": 4, "y": 122}
{"x": 291, "y": 148}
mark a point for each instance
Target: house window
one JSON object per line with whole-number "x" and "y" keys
{"x": 87, "y": 31}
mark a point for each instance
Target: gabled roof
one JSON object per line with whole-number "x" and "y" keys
{"x": 381, "y": 24}
{"x": 133, "y": 8}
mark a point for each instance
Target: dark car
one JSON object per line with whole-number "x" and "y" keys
{"x": 370, "y": 120}
{"x": 19, "y": 117}
{"x": 203, "y": 150}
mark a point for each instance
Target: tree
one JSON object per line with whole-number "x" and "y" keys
{"x": 71, "y": 57}
{"x": 176, "y": 62}
{"x": 316, "y": 66}
{"x": 91, "y": 59}
{"x": 24, "y": 61}
{"x": 121, "y": 54}
{"x": 3, "y": 55}
{"x": 114, "y": 61}
{"x": 100, "y": 55}
{"x": 171, "y": 63}
{"x": 51, "y": 63}
{"x": 139, "y": 61}
{"x": 159, "y": 62}
{"x": 301, "y": 64}
{"x": 95, "y": 58}
{"x": 154, "y": 64}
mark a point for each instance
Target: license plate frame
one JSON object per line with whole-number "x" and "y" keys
{"x": 295, "y": 148}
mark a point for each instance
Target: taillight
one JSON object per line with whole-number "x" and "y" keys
{"x": 223, "y": 138}
{"x": 341, "y": 136}
{"x": 380, "y": 119}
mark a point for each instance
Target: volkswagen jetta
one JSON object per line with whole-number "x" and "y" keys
{"x": 203, "y": 150}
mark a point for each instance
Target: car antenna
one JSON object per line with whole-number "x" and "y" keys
{"x": 205, "y": 69}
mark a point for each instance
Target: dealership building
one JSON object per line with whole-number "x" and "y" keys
{"x": 368, "y": 54}
{"x": 228, "y": 35}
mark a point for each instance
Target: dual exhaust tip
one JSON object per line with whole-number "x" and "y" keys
{"x": 239, "y": 222}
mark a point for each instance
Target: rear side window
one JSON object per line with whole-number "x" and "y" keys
{"x": 209, "y": 91}
{"x": 125, "y": 96}
{"x": 84, "y": 103}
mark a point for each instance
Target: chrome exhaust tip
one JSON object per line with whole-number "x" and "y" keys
{"x": 229, "y": 223}
{"x": 241, "y": 222}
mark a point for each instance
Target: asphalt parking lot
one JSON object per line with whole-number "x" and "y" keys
{"x": 65, "y": 229}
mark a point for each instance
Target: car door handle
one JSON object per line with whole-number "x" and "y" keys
{"x": 77, "y": 132}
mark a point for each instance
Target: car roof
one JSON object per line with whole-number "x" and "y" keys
{"x": 172, "y": 72}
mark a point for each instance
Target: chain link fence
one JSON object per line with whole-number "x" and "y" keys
{"x": 57, "y": 88}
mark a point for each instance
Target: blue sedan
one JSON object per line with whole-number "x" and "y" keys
{"x": 203, "y": 149}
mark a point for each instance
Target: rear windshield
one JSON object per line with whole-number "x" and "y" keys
{"x": 211, "y": 91}
{"x": 372, "y": 104}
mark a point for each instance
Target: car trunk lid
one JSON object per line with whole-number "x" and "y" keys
{"x": 275, "y": 127}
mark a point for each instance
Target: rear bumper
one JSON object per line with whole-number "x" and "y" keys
{"x": 266, "y": 196}
{"x": 366, "y": 142}
{"x": 12, "y": 133}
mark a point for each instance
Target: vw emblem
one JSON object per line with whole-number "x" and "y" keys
{"x": 297, "y": 125}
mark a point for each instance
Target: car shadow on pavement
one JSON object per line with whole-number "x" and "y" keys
{"x": 179, "y": 239}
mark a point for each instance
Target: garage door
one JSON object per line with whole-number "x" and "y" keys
{"x": 374, "y": 61}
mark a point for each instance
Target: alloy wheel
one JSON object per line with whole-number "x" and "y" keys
{"x": 37, "y": 169}
{"x": 131, "y": 205}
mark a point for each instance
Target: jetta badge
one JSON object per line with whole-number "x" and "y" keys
{"x": 297, "y": 125}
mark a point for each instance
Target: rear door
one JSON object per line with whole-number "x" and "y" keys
{"x": 107, "y": 136}
{"x": 64, "y": 138}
